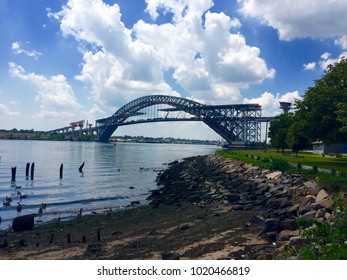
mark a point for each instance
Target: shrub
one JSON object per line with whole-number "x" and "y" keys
{"x": 279, "y": 164}
{"x": 326, "y": 241}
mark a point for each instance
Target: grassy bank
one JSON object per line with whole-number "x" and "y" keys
{"x": 276, "y": 160}
{"x": 304, "y": 158}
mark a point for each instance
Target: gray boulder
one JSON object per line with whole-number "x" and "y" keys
{"x": 23, "y": 223}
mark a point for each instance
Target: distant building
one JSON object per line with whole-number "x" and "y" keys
{"x": 318, "y": 147}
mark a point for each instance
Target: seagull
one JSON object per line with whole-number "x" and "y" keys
{"x": 22, "y": 196}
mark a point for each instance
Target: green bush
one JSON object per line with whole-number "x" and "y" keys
{"x": 279, "y": 164}
{"x": 326, "y": 241}
{"x": 332, "y": 183}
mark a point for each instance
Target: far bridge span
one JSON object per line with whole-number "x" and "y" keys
{"x": 235, "y": 123}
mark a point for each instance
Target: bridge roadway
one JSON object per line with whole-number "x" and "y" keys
{"x": 235, "y": 123}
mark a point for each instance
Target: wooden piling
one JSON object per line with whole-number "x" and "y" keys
{"x": 13, "y": 170}
{"x": 61, "y": 171}
{"x": 68, "y": 237}
{"x": 27, "y": 170}
{"x": 81, "y": 168}
{"x": 84, "y": 239}
{"x": 32, "y": 171}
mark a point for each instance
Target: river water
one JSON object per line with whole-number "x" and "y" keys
{"x": 113, "y": 175}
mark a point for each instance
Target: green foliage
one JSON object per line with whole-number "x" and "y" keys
{"x": 278, "y": 130}
{"x": 321, "y": 114}
{"x": 326, "y": 241}
{"x": 296, "y": 138}
{"x": 279, "y": 164}
{"x": 322, "y": 111}
{"x": 332, "y": 183}
{"x": 273, "y": 160}
{"x": 342, "y": 115}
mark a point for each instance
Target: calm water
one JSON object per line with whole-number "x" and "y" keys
{"x": 113, "y": 175}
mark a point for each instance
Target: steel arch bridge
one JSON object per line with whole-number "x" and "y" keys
{"x": 234, "y": 123}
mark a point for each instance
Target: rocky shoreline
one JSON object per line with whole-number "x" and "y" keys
{"x": 279, "y": 199}
{"x": 206, "y": 207}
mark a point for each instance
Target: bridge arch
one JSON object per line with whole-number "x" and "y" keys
{"x": 107, "y": 126}
{"x": 239, "y": 122}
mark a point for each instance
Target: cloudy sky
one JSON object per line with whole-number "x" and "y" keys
{"x": 67, "y": 60}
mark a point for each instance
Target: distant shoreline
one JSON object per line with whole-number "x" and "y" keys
{"x": 41, "y": 135}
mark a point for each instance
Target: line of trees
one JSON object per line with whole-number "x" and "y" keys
{"x": 320, "y": 115}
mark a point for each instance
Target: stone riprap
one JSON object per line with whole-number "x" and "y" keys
{"x": 279, "y": 198}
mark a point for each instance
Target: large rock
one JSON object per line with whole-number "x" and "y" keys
{"x": 274, "y": 175}
{"x": 306, "y": 200}
{"x": 321, "y": 195}
{"x": 272, "y": 224}
{"x": 22, "y": 223}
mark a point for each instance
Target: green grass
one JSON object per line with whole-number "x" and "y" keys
{"x": 304, "y": 158}
{"x": 280, "y": 162}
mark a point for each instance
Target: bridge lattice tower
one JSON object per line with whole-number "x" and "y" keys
{"x": 237, "y": 122}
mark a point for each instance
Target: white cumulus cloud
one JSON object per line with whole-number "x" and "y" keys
{"x": 270, "y": 102}
{"x": 298, "y": 18}
{"x": 327, "y": 60}
{"x": 342, "y": 42}
{"x": 54, "y": 95}
{"x": 200, "y": 49}
{"x": 18, "y": 49}
{"x": 6, "y": 111}
{"x": 310, "y": 66}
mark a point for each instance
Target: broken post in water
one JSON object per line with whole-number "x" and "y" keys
{"x": 32, "y": 171}
{"x": 61, "y": 171}
{"x": 13, "y": 170}
{"x": 27, "y": 170}
{"x": 81, "y": 167}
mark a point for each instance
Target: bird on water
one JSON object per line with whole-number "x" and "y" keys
{"x": 40, "y": 213}
{"x": 6, "y": 203}
{"x": 19, "y": 208}
{"x": 43, "y": 206}
{"x": 79, "y": 215}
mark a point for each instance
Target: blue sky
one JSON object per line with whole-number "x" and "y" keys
{"x": 67, "y": 60}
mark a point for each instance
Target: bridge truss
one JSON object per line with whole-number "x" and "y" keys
{"x": 234, "y": 123}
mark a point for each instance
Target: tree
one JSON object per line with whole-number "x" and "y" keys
{"x": 342, "y": 115}
{"x": 278, "y": 131}
{"x": 297, "y": 142}
{"x": 322, "y": 110}
{"x": 296, "y": 137}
